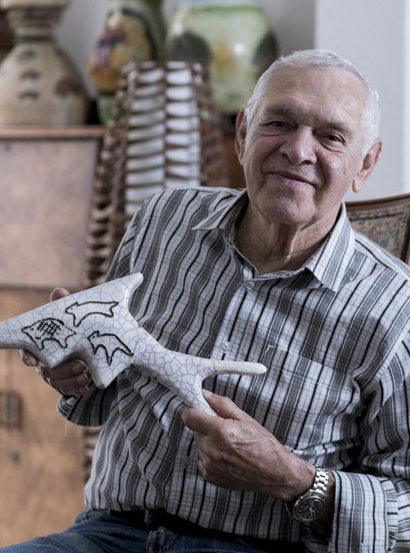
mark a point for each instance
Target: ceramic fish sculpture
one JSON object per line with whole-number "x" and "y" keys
{"x": 95, "y": 325}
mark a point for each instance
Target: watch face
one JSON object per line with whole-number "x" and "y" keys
{"x": 309, "y": 509}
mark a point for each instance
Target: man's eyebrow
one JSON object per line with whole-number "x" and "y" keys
{"x": 287, "y": 111}
{"x": 277, "y": 110}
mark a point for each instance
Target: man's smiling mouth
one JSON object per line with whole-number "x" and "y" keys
{"x": 294, "y": 178}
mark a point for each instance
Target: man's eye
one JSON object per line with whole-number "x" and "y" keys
{"x": 278, "y": 124}
{"x": 334, "y": 138}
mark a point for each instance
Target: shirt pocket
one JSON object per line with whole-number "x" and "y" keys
{"x": 308, "y": 405}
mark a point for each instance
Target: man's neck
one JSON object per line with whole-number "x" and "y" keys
{"x": 275, "y": 247}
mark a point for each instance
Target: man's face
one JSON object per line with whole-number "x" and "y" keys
{"x": 302, "y": 149}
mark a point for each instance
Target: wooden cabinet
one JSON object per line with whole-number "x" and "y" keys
{"x": 45, "y": 197}
{"x": 41, "y": 477}
{"x": 46, "y": 182}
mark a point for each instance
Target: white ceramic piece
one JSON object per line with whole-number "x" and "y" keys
{"x": 95, "y": 325}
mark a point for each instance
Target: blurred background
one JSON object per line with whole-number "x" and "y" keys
{"x": 373, "y": 34}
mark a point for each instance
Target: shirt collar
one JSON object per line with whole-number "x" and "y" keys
{"x": 328, "y": 264}
{"x": 225, "y": 217}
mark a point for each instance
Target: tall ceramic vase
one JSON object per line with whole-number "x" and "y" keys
{"x": 134, "y": 30}
{"x": 38, "y": 83}
{"x": 233, "y": 37}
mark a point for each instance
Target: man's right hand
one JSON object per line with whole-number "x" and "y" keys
{"x": 71, "y": 378}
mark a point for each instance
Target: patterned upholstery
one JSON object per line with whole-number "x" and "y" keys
{"x": 385, "y": 221}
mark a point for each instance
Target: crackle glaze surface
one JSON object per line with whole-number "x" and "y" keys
{"x": 95, "y": 325}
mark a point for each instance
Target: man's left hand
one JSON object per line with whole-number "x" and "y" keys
{"x": 235, "y": 451}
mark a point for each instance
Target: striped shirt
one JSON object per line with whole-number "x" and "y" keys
{"x": 334, "y": 336}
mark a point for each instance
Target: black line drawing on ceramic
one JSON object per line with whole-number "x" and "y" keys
{"x": 48, "y": 329}
{"x": 109, "y": 339}
{"x": 81, "y": 311}
{"x": 110, "y": 343}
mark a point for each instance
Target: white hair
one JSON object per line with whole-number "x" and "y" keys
{"x": 323, "y": 59}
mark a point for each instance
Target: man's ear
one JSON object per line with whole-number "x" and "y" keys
{"x": 369, "y": 162}
{"x": 241, "y": 131}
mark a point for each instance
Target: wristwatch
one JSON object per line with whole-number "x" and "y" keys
{"x": 311, "y": 505}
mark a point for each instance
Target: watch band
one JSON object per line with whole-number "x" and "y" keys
{"x": 311, "y": 505}
{"x": 321, "y": 481}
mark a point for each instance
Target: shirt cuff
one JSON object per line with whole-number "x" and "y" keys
{"x": 366, "y": 514}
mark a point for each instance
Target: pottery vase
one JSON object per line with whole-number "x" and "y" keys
{"x": 134, "y": 30}
{"x": 233, "y": 37}
{"x": 38, "y": 83}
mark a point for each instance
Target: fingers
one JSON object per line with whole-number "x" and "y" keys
{"x": 71, "y": 378}
{"x": 58, "y": 293}
{"x": 201, "y": 422}
{"x": 196, "y": 420}
{"x": 235, "y": 451}
{"x": 28, "y": 358}
{"x": 223, "y": 406}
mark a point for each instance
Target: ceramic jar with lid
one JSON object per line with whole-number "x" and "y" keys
{"x": 39, "y": 85}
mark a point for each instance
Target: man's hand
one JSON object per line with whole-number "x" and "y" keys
{"x": 235, "y": 451}
{"x": 71, "y": 378}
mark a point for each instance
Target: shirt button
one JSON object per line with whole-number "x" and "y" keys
{"x": 226, "y": 346}
{"x": 250, "y": 285}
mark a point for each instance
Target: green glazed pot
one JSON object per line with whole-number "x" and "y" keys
{"x": 233, "y": 37}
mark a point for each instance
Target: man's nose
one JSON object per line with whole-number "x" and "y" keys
{"x": 299, "y": 147}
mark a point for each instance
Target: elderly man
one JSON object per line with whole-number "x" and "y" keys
{"x": 313, "y": 455}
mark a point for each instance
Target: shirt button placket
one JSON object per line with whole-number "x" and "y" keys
{"x": 226, "y": 346}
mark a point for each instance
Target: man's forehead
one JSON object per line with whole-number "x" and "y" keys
{"x": 295, "y": 76}
{"x": 336, "y": 93}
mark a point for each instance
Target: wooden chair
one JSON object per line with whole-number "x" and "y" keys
{"x": 386, "y": 221}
